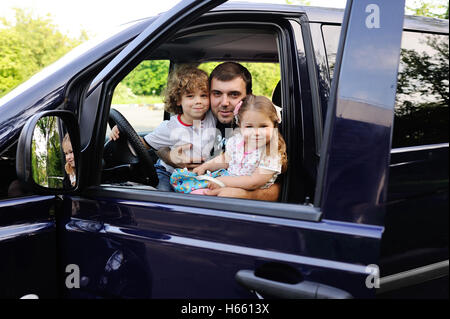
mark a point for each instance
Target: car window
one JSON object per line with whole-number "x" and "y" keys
{"x": 331, "y": 34}
{"x": 140, "y": 95}
{"x": 421, "y": 109}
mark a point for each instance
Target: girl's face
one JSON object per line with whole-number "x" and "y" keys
{"x": 195, "y": 104}
{"x": 69, "y": 154}
{"x": 256, "y": 128}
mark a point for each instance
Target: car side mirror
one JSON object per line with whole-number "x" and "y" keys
{"x": 48, "y": 153}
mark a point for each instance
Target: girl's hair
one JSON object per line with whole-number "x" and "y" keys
{"x": 65, "y": 143}
{"x": 264, "y": 105}
{"x": 184, "y": 79}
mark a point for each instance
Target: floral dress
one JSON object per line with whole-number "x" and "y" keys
{"x": 245, "y": 163}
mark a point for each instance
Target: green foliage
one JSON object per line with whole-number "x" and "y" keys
{"x": 55, "y": 167}
{"x": 27, "y": 45}
{"x": 426, "y": 74}
{"x": 146, "y": 83}
{"x": 421, "y": 113}
{"x": 433, "y": 9}
{"x": 265, "y": 77}
{"x": 148, "y": 78}
{"x": 426, "y": 8}
{"x": 299, "y": 2}
{"x": 208, "y": 67}
{"x": 47, "y": 156}
{"x": 122, "y": 93}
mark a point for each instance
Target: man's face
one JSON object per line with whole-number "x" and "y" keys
{"x": 224, "y": 97}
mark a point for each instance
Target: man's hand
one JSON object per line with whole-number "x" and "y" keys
{"x": 114, "y": 134}
{"x": 199, "y": 170}
{"x": 181, "y": 160}
{"x": 176, "y": 157}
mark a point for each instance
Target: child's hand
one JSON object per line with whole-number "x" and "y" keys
{"x": 114, "y": 135}
{"x": 199, "y": 170}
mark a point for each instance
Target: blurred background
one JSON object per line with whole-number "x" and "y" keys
{"x": 36, "y": 33}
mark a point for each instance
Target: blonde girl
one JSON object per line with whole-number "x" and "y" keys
{"x": 70, "y": 160}
{"x": 256, "y": 154}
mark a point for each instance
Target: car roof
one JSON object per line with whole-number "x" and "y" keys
{"x": 331, "y": 15}
{"x": 238, "y": 43}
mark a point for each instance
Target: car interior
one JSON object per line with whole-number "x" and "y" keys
{"x": 122, "y": 165}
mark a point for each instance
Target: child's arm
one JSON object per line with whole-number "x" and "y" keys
{"x": 218, "y": 162}
{"x": 258, "y": 179}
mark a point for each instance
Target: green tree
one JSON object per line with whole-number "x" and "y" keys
{"x": 29, "y": 44}
{"x": 48, "y": 163}
{"x": 426, "y": 8}
{"x": 148, "y": 78}
{"x": 423, "y": 94}
{"x": 424, "y": 73}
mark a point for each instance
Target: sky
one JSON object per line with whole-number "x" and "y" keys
{"x": 97, "y": 16}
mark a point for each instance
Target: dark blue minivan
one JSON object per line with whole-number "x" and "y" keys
{"x": 363, "y": 207}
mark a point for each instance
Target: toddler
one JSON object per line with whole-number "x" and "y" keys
{"x": 256, "y": 154}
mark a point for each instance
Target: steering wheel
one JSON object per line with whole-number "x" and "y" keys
{"x": 139, "y": 154}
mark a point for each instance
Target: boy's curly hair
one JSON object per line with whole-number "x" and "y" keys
{"x": 184, "y": 79}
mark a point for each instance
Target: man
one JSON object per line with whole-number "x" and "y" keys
{"x": 229, "y": 83}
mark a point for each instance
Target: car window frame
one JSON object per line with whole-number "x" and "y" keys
{"x": 304, "y": 212}
{"x": 398, "y": 149}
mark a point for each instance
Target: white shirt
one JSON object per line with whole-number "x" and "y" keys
{"x": 174, "y": 132}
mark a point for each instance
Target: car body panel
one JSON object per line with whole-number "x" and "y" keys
{"x": 360, "y": 117}
{"x": 182, "y": 248}
{"x": 28, "y": 239}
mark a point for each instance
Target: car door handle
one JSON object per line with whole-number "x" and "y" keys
{"x": 302, "y": 290}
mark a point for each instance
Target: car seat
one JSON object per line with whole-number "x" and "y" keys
{"x": 276, "y": 99}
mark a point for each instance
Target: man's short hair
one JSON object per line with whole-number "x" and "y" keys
{"x": 228, "y": 71}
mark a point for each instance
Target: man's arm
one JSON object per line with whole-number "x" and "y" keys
{"x": 175, "y": 157}
{"x": 269, "y": 194}
{"x": 164, "y": 154}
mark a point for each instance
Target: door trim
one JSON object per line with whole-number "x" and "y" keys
{"x": 25, "y": 230}
{"x": 413, "y": 277}
{"x": 275, "y": 209}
